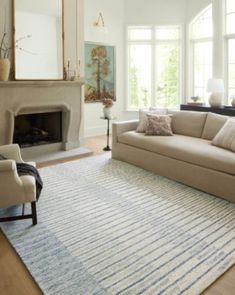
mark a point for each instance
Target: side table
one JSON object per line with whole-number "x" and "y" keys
{"x": 107, "y": 148}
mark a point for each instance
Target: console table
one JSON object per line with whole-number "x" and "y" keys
{"x": 225, "y": 110}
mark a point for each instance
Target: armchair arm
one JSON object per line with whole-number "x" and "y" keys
{"x": 8, "y": 170}
{"x": 7, "y": 165}
{"x": 121, "y": 127}
{"x": 11, "y": 151}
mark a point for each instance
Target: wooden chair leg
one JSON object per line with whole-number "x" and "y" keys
{"x": 34, "y": 212}
{"x": 23, "y": 208}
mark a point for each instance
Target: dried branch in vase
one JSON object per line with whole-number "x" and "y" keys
{"x": 4, "y": 47}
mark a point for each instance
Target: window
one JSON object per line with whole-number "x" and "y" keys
{"x": 230, "y": 17}
{"x": 154, "y": 71}
{"x": 230, "y": 44}
{"x": 201, "y": 43}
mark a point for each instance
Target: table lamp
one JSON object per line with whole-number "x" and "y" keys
{"x": 216, "y": 87}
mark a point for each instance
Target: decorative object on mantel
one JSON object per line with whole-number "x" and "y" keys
{"x": 216, "y": 87}
{"x": 4, "y": 61}
{"x": 4, "y": 69}
{"x": 99, "y": 72}
{"x": 99, "y": 24}
{"x": 108, "y": 103}
{"x": 67, "y": 71}
{"x": 76, "y": 76}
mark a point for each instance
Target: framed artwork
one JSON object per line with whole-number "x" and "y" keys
{"x": 99, "y": 72}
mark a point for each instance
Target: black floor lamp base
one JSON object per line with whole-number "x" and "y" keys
{"x": 107, "y": 148}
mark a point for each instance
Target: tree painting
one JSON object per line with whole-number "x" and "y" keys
{"x": 99, "y": 72}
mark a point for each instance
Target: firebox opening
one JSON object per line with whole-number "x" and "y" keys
{"x": 38, "y": 129}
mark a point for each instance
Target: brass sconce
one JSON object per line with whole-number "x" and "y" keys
{"x": 99, "y": 24}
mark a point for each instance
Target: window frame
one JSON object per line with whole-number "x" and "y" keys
{"x": 227, "y": 38}
{"x": 192, "y": 42}
{"x": 153, "y": 42}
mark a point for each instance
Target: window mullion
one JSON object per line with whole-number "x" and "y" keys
{"x": 153, "y": 69}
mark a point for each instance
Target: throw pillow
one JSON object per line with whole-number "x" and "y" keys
{"x": 143, "y": 121}
{"x": 159, "y": 125}
{"x": 225, "y": 138}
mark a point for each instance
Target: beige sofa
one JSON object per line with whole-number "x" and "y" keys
{"x": 188, "y": 156}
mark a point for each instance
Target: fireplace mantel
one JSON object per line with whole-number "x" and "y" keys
{"x": 41, "y": 83}
{"x": 18, "y": 97}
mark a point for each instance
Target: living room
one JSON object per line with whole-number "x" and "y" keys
{"x": 127, "y": 175}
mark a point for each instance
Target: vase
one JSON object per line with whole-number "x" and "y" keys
{"x": 107, "y": 112}
{"x": 4, "y": 69}
{"x": 215, "y": 100}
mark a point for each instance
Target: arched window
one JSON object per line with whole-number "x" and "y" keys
{"x": 201, "y": 52}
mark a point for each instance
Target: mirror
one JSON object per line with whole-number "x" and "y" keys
{"x": 38, "y": 39}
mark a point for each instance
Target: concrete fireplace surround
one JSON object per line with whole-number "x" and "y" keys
{"x": 30, "y": 97}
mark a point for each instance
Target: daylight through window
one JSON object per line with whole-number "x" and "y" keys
{"x": 154, "y": 66}
{"x": 201, "y": 43}
{"x": 230, "y": 44}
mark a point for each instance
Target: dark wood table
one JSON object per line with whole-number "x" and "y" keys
{"x": 224, "y": 110}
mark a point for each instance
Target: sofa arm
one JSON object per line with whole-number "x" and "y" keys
{"x": 11, "y": 151}
{"x": 121, "y": 127}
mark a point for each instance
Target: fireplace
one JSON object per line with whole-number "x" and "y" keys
{"x": 38, "y": 129}
{"x": 19, "y": 98}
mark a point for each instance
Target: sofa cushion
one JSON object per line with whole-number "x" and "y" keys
{"x": 158, "y": 125}
{"x": 143, "y": 121}
{"x": 225, "y": 138}
{"x": 184, "y": 148}
{"x": 188, "y": 122}
{"x": 214, "y": 122}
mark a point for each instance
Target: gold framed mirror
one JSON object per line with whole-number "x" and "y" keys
{"x": 38, "y": 39}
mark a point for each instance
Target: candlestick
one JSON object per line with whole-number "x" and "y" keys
{"x": 68, "y": 70}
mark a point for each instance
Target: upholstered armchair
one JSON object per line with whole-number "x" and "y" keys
{"x": 13, "y": 188}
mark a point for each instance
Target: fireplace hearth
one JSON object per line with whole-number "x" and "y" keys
{"x": 38, "y": 129}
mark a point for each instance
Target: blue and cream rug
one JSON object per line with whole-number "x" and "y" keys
{"x": 106, "y": 227}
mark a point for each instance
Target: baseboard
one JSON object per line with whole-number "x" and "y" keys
{"x": 95, "y": 131}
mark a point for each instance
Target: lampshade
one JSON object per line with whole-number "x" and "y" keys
{"x": 215, "y": 85}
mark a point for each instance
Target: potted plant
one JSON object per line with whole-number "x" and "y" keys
{"x": 4, "y": 60}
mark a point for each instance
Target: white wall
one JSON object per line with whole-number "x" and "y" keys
{"x": 193, "y": 7}
{"x": 113, "y": 13}
{"x": 116, "y": 15}
{"x": 155, "y": 11}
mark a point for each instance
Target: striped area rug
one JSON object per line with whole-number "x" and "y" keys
{"x": 107, "y": 227}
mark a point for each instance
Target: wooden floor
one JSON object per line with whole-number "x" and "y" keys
{"x": 16, "y": 280}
